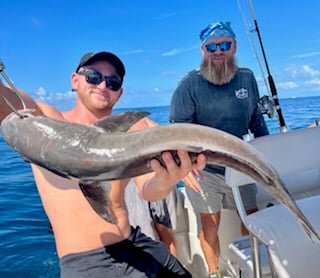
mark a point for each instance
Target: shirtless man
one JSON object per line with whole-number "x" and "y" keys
{"x": 87, "y": 245}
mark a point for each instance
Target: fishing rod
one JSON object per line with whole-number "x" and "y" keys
{"x": 266, "y": 103}
{"x": 272, "y": 84}
{"x": 255, "y": 52}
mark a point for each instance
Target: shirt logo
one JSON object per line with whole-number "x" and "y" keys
{"x": 241, "y": 93}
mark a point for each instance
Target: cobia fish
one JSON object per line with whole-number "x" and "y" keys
{"x": 104, "y": 152}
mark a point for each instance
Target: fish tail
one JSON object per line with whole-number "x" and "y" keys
{"x": 310, "y": 231}
{"x": 291, "y": 204}
{"x": 304, "y": 222}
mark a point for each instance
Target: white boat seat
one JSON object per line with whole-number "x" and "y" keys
{"x": 293, "y": 254}
{"x": 296, "y": 157}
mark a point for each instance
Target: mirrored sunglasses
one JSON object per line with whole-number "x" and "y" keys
{"x": 224, "y": 46}
{"x": 94, "y": 77}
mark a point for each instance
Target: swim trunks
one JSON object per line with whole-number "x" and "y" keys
{"x": 137, "y": 257}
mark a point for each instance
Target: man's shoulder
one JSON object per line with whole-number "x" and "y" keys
{"x": 190, "y": 77}
{"x": 195, "y": 73}
{"x": 50, "y": 111}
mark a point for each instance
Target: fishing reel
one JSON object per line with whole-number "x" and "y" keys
{"x": 267, "y": 106}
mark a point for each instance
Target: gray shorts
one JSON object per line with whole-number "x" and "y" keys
{"x": 216, "y": 194}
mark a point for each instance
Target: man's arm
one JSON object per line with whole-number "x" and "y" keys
{"x": 182, "y": 106}
{"x": 11, "y": 96}
{"x": 157, "y": 185}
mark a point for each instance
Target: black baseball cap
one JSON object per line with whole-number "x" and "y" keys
{"x": 91, "y": 57}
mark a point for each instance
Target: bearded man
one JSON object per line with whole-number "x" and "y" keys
{"x": 222, "y": 95}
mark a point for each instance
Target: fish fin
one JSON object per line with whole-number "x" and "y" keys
{"x": 97, "y": 194}
{"x": 120, "y": 122}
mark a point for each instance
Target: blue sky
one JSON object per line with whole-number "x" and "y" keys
{"x": 41, "y": 43}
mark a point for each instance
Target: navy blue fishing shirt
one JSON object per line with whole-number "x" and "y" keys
{"x": 231, "y": 107}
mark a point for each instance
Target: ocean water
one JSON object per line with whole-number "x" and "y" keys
{"x": 26, "y": 246}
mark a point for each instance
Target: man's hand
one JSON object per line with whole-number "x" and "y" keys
{"x": 169, "y": 175}
{"x": 192, "y": 180}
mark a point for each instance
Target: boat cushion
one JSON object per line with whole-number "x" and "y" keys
{"x": 293, "y": 253}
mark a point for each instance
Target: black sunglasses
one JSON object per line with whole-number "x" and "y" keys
{"x": 94, "y": 77}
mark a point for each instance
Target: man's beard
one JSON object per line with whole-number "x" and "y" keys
{"x": 218, "y": 74}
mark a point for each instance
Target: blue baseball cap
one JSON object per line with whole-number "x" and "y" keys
{"x": 217, "y": 30}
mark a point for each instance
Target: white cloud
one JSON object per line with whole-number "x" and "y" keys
{"x": 305, "y": 55}
{"x": 177, "y": 51}
{"x": 42, "y": 95}
{"x": 310, "y": 71}
{"x": 289, "y": 85}
{"x": 41, "y": 92}
{"x": 313, "y": 82}
{"x": 299, "y": 80}
{"x": 166, "y": 16}
{"x": 133, "y": 51}
{"x": 302, "y": 71}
